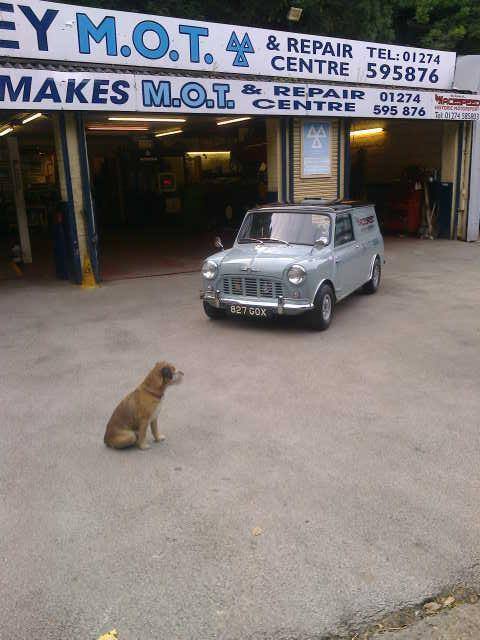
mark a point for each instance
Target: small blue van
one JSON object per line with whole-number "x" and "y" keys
{"x": 295, "y": 259}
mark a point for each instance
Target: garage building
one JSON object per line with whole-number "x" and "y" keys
{"x": 128, "y": 193}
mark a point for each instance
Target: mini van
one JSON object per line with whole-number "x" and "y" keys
{"x": 295, "y": 259}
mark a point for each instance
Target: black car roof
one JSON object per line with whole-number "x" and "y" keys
{"x": 328, "y": 206}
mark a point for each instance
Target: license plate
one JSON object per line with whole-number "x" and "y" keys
{"x": 251, "y": 312}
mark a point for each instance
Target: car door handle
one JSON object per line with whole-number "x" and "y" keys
{"x": 337, "y": 259}
{"x": 357, "y": 245}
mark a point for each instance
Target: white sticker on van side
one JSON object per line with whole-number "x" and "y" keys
{"x": 364, "y": 222}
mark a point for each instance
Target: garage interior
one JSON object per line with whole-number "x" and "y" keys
{"x": 37, "y": 170}
{"x": 162, "y": 188}
{"x": 407, "y": 168}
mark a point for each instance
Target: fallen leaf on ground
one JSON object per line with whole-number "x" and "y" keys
{"x": 257, "y": 531}
{"x": 110, "y": 635}
{"x": 431, "y": 607}
{"x": 448, "y": 602}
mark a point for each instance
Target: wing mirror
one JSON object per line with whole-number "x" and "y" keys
{"x": 218, "y": 243}
{"x": 321, "y": 242}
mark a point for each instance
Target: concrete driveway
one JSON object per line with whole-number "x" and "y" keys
{"x": 355, "y": 451}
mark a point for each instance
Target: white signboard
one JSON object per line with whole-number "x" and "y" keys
{"x": 51, "y": 31}
{"x": 24, "y": 89}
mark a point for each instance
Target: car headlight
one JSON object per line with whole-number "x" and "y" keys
{"x": 296, "y": 274}
{"x": 209, "y": 270}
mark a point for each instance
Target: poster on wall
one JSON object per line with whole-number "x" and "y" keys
{"x": 42, "y": 30}
{"x": 316, "y": 149}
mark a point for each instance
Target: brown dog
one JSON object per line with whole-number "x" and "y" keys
{"x": 129, "y": 422}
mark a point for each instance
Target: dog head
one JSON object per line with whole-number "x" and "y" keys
{"x": 161, "y": 376}
{"x": 167, "y": 373}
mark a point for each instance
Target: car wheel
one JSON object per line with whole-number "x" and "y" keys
{"x": 321, "y": 316}
{"x": 213, "y": 312}
{"x": 372, "y": 285}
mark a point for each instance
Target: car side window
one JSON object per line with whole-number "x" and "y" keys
{"x": 343, "y": 229}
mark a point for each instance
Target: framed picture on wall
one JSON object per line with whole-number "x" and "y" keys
{"x": 316, "y": 143}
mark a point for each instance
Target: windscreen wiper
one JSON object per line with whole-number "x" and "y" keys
{"x": 259, "y": 240}
{"x": 275, "y": 240}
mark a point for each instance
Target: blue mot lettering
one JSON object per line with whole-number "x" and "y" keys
{"x": 221, "y": 91}
{"x": 41, "y": 25}
{"x": 156, "y": 94}
{"x": 194, "y": 34}
{"x": 138, "y": 39}
{"x": 105, "y": 30}
{"x": 193, "y": 95}
{"x": 22, "y": 90}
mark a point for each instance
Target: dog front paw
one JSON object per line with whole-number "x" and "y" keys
{"x": 144, "y": 447}
{"x": 159, "y": 439}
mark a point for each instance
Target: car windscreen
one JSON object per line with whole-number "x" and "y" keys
{"x": 292, "y": 227}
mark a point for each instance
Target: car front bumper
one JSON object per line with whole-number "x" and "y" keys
{"x": 280, "y": 306}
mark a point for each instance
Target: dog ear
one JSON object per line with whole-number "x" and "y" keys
{"x": 167, "y": 373}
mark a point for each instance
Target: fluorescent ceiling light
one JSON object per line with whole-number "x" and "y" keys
{"x": 220, "y": 122}
{"x": 208, "y": 153}
{"x": 5, "y": 131}
{"x": 168, "y": 133}
{"x": 32, "y": 117}
{"x": 294, "y": 14}
{"x": 106, "y": 127}
{"x": 367, "y": 132}
{"x": 133, "y": 119}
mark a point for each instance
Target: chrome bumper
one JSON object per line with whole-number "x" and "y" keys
{"x": 280, "y": 305}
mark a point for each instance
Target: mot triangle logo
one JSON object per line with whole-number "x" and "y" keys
{"x": 240, "y": 48}
{"x": 317, "y": 134}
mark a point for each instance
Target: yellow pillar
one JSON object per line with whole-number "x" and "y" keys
{"x": 69, "y": 168}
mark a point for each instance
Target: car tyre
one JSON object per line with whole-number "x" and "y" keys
{"x": 214, "y": 313}
{"x": 373, "y": 284}
{"x": 321, "y": 316}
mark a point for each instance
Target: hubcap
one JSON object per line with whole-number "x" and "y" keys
{"x": 326, "y": 307}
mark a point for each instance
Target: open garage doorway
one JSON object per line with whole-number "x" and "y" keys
{"x": 164, "y": 187}
{"x": 29, "y": 198}
{"x": 407, "y": 169}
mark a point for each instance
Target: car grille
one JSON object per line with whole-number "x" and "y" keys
{"x": 252, "y": 287}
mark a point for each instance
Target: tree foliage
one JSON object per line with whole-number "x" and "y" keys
{"x": 438, "y": 24}
{"x": 441, "y": 24}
